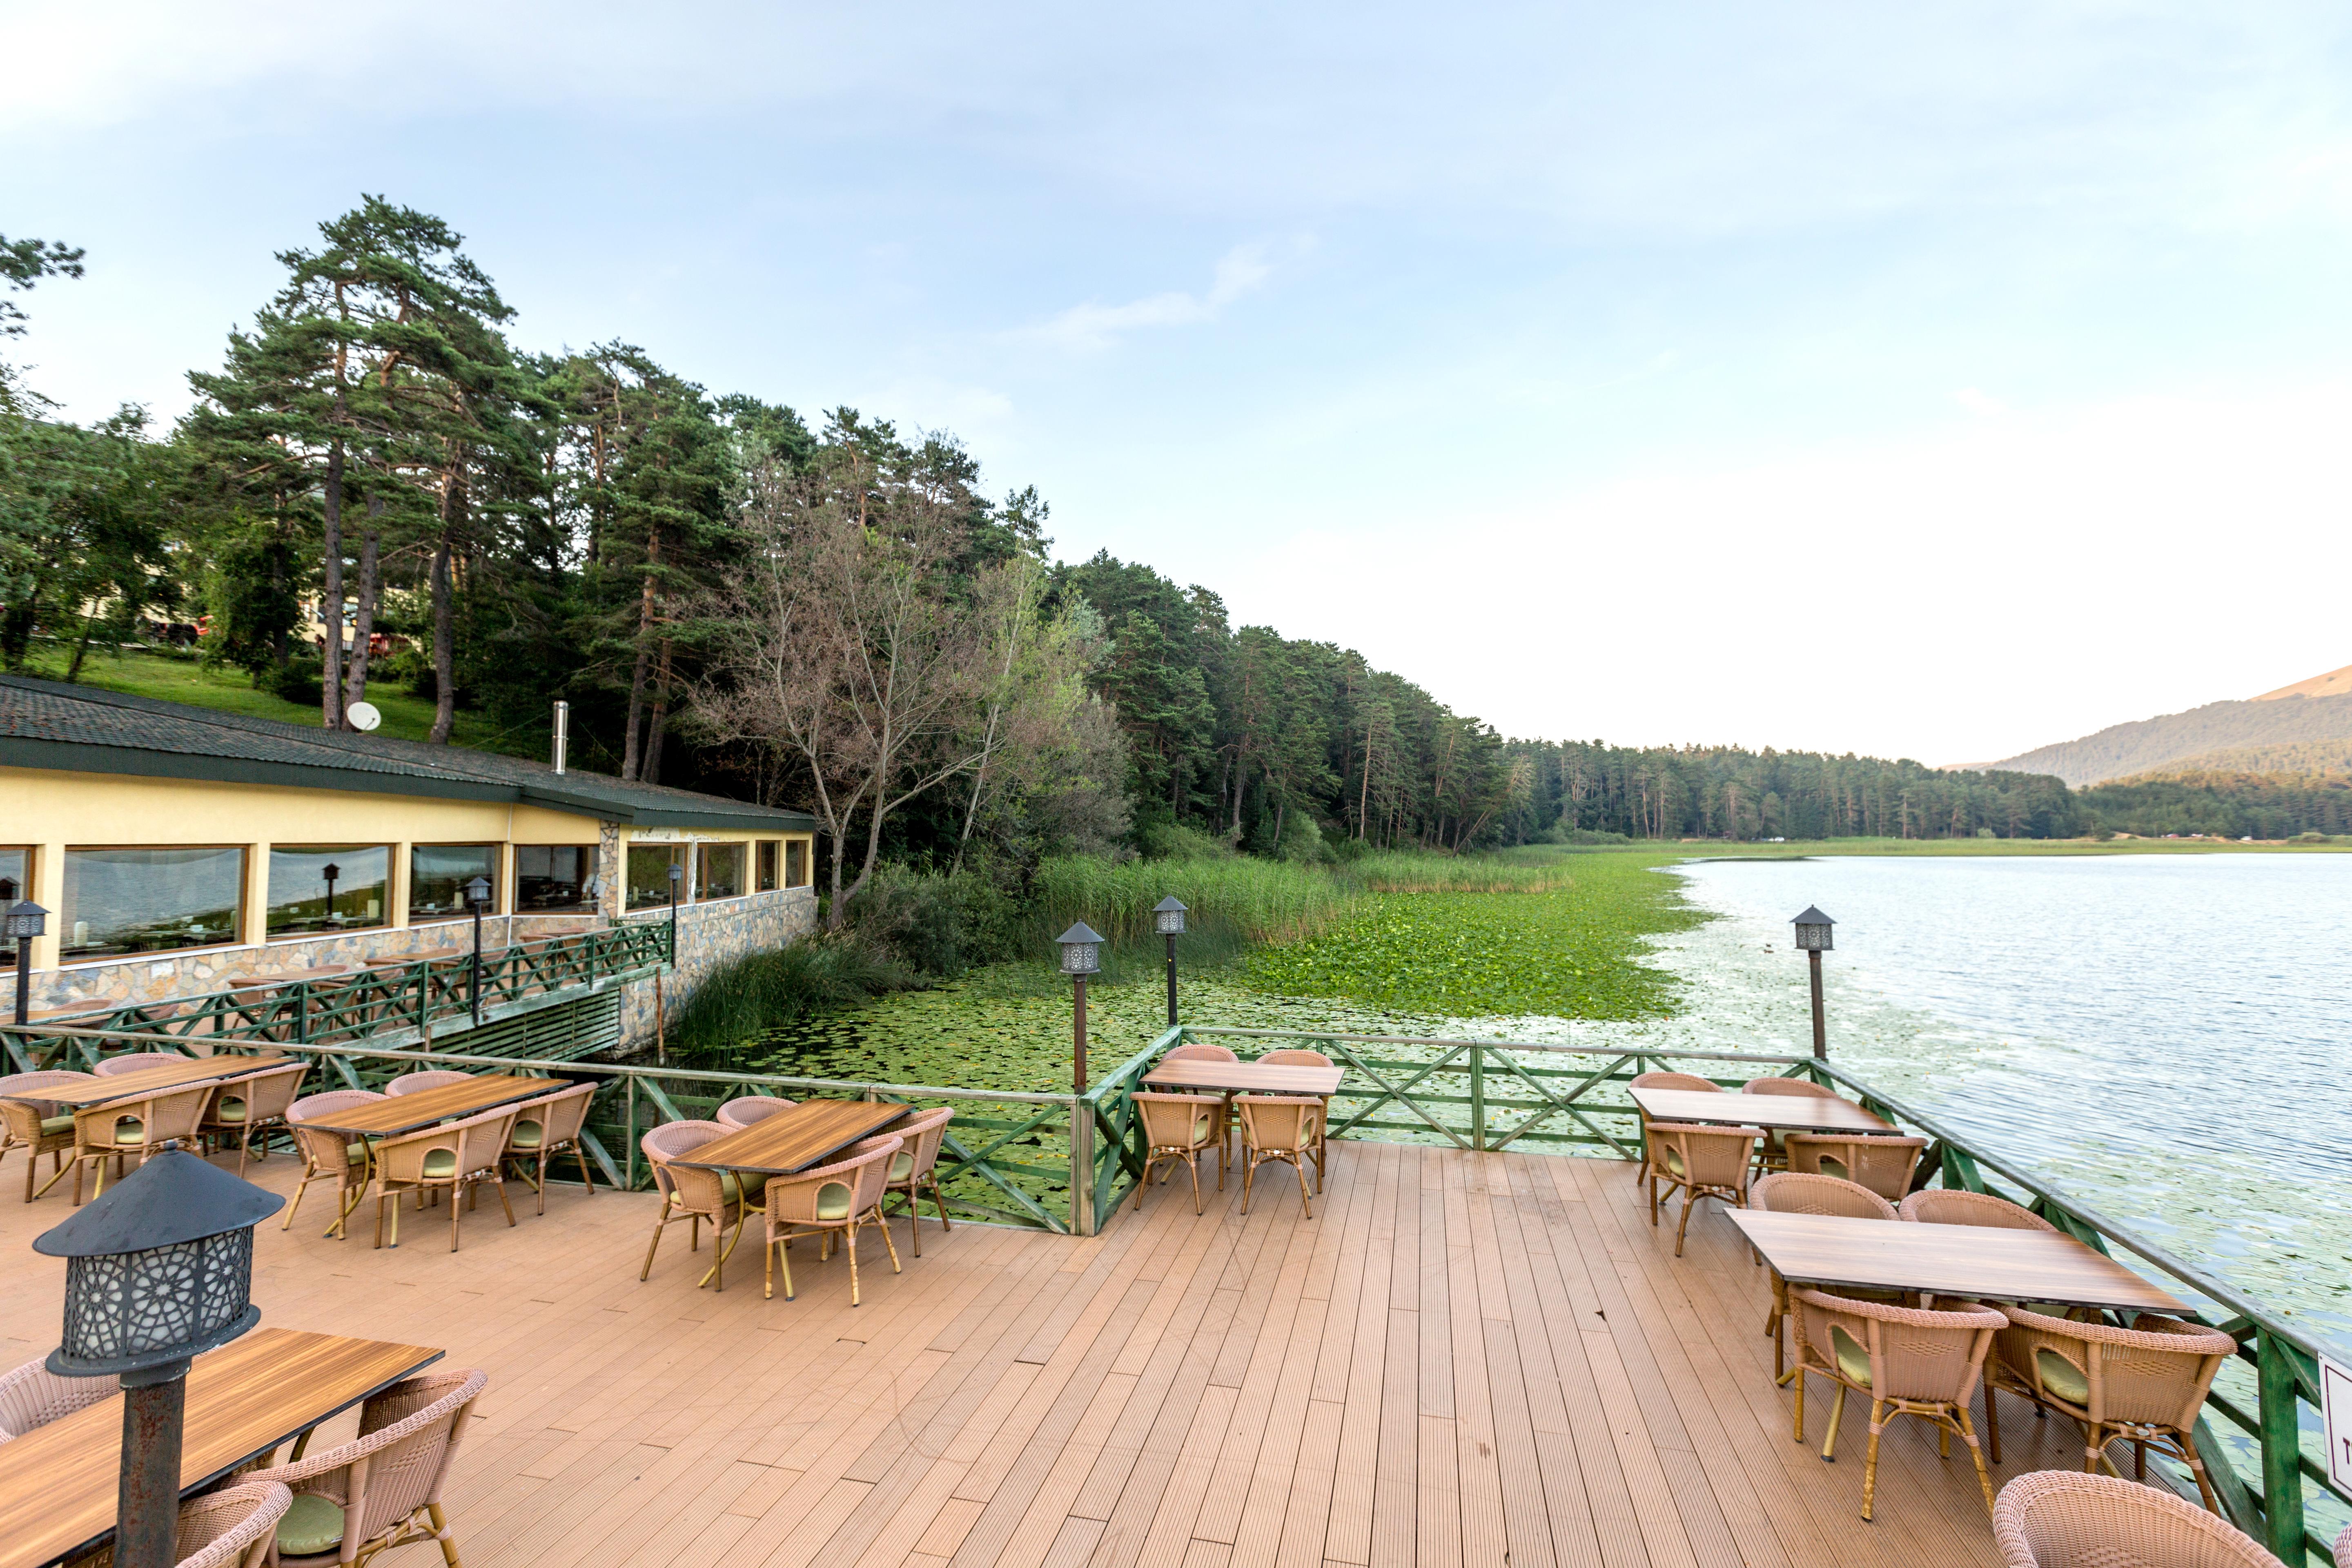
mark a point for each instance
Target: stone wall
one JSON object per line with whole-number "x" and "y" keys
{"x": 710, "y": 937}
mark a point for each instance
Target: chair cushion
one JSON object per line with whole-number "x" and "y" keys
{"x": 51, "y": 1126}
{"x": 1203, "y": 1128}
{"x": 833, "y": 1201}
{"x": 1834, "y": 1166}
{"x": 1852, "y": 1359}
{"x": 441, "y": 1162}
{"x": 229, "y": 1110}
{"x": 902, "y": 1165}
{"x": 1673, "y": 1160}
{"x": 2062, "y": 1377}
{"x": 312, "y": 1527}
{"x": 736, "y": 1189}
{"x": 131, "y": 1130}
{"x": 526, "y": 1135}
{"x": 354, "y": 1153}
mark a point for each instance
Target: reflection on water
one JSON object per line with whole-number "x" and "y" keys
{"x": 2165, "y": 1035}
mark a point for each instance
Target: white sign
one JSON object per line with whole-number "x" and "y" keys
{"x": 2335, "y": 1404}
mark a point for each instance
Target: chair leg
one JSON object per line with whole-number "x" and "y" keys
{"x": 1799, "y": 1374}
{"x": 244, "y": 1150}
{"x": 768, "y": 1260}
{"x": 939, "y": 1199}
{"x": 1300, "y": 1166}
{"x": 853, "y": 1263}
{"x": 1969, "y": 1436}
{"x": 455, "y": 1206}
{"x": 2197, "y": 1468}
{"x": 441, "y": 1528}
{"x": 1837, "y": 1414}
{"x": 886, "y": 1242}
{"x": 1690, "y": 1196}
{"x": 299, "y": 1188}
{"x": 783, "y": 1251}
{"x": 587, "y": 1180}
{"x": 1249, "y": 1169}
{"x": 499, "y": 1182}
{"x": 1993, "y": 1422}
{"x": 1870, "y": 1460}
{"x": 1193, "y": 1165}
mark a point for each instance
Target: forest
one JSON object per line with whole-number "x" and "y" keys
{"x": 711, "y": 580}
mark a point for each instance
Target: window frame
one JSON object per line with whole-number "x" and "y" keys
{"x": 497, "y": 879}
{"x": 768, "y": 856}
{"x": 702, "y": 848}
{"x": 593, "y": 857}
{"x": 675, "y": 849}
{"x": 806, "y": 848}
{"x": 391, "y": 848}
{"x": 63, "y": 932}
{"x": 31, "y": 852}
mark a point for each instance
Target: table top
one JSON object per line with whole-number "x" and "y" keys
{"x": 398, "y": 1113}
{"x": 289, "y": 977}
{"x": 58, "y": 1482}
{"x": 102, "y": 1088}
{"x": 1785, "y": 1112}
{"x": 1947, "y": 1260}
{"x": 1249, "y": 1078}
{"x": 808, "y": 1134}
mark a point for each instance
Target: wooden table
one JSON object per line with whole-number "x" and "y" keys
{"x": 398, "y": 1113}
{"x": 1947, "y": 1260}
{"x": 1780, "y": 1112}
{"x": 1245, "y": 1077}
{"x": 58, "y": 1482}
{"x": 103, "y": 1088}
{"x": 807, "y": 1134}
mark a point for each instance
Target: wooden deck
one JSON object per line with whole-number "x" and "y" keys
{"x": 1480, "y": 1359}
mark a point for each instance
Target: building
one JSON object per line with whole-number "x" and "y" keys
{"x": 181, "y": 851}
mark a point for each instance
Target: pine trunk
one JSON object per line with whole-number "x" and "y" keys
{"x": 364, "y": 626}
{"x": 444, "y": 684}
{"x": 330, "y": 594}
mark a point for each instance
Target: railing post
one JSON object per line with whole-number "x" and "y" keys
{"x": 1478, "y": 1097}
{"x": 1082, "y": 1166}
{"x": 2281, "y": 1438}
{"x": 632, "y": 1133}
{"x": 302, "y": 1013}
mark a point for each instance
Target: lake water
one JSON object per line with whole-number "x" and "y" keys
{"x": 2165, "y": 1034}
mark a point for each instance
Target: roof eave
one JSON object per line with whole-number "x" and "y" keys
{"x": 80, "y": 757}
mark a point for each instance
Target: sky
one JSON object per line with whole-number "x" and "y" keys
{"x": 1928, "y": 381}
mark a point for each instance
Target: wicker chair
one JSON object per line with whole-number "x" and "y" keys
{"x": 2343, "y": 1548}
{"x": 548, "y": 1126}
{"x": 383, "y": 1488}
{"x": 33, "y": 1396}
{"x": 1906, "y": 1362}
{"x": 1885, "y": 1165}
{"x": 455, "y": 1157}
{"x": 124, "y": 1128}
{"x": 2145, "y": 1383}
{"x": 916, "y": 1166}
{"x": 1771, "y": 1154}
{"x": 692, "y": 1194}
{"x": 1225, "y": 1123}
{"x": 235, "y": 1527}
{"x": 831, "y": 1201}
{"x": 2057, "y": 1519}
{"x": 328, "y": 1156}
{"x": 1788, "y": 1192}
{"x": 258, "y": 1102}
{"x": 1286, "y": 1127}
{"x": 1306, "y": 1058}
{"x": 748, "y": 1109}
{"x": 33, "y": 1125}
{"x": 1704, "y": 1161}
{"x": 1949, "y": 1205}
{"x": 418, "y": 1083}
{"x": 1176, "y": 1127}
{"x": 137, "y": 1061}
{"x": 1663, "y": 1081}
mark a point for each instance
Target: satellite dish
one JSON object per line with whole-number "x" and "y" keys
{"x": 363, "y": 715}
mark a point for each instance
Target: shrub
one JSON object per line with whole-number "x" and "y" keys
{"x": 766, "y": 990}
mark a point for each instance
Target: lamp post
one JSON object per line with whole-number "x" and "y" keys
{"x": 1081, "y": 956}
{"x": 158, "y": 1268}
{"x": 478, "y": 893}
{"x": 1812, "y": 941}
{"x": 1168, "y": 917}
{"x": 332, "y": 872}
{"x": 26, "y": 919}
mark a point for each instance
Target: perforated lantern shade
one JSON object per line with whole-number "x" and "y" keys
{"x": 1168, "y": 917}
{"x": 1081, "y": 950}
{"x": 23, "y": 920}
{"x": 477, "y": 892}
{"x": 1813, "y": 930}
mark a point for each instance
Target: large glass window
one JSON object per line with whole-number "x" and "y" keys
{"x": 122, "y": 901}
{"x": 333, "y": 887}
{"x": 649, "y": 867}
{"x": 553, "y": 876}
{"x": 797, "y": 863}
{"x": 15, "y": 882}
{"x": 718, "y": 871}
{"x": 767, "y": 865}
{"x": 437, "y": 875}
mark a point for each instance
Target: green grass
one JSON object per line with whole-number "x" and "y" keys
{"x": 1547, "y": 855}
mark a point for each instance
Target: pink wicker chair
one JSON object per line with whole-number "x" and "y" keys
{"x": 1225, "y": 1122}
{"x": 1947, "y": 1206}
{"x": 418, "y": 1083}
{"x": 1906, "y": 1362}
{"x": 1176, "y": 1127}
{"x": 34, "y": 1125}
{"x": 242, "y": 1106}
{"x": 455, "y": 1158}
{"x": 1885, "y": 1165}
{"x": 137, "y": 1061}
{"x": 123, "y": 1129}
{"x": 916, "y": 1166}
{"x": 32, "y": 1396}
{"x": 235, "y": 1527}
{"x": 748, "y": 1109}
{"x": 2144, "y": 1384}
{"x": 328, "y": 1156}
{"x": 831, "y": 1201}
{"x": 2343, "y": 1548}
{"x": 1306, "y": 1058}
{"x": 1786, "y": 1192}
{"x": 1286, "y": 1127}
{"x": 546, "y": 1128}
{"x": 383, "y": 1488}
{"x": 694, "y": 1194}
{"x": 2057, "y": 1519}
{"x": 1771, "y": 1154}
{"x": 1704, "y": 1161}
{"x": 1663, "y": 1081}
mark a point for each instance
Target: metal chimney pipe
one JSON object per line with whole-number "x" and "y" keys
{"x": 562, "y": 732}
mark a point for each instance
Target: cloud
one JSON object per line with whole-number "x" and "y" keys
{"x": 1088, "y": 328}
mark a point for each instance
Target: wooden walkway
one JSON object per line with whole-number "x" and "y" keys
{"x": 1481, "y": 1359}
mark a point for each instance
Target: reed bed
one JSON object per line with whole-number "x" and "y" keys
{"x": 1266, "y": 900}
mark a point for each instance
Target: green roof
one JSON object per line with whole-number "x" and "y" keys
{"x": 74, "y": 728}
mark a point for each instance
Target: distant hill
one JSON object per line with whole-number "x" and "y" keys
{"x": 2284, "y": 732}
{"x": 2294, "y": 759}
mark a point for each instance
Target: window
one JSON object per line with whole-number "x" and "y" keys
{"x": 15, "y": 882}
{"x": 767, "y": 865}
{"x": 718, "y": 871}
{"x": 150, "y": 900}
{"x": 797, "y": 863}
{"x": 333, "y": 887}
{"x": 437, "y": 875}
{"x": 553, "y": 876}
{"x": 649, "y": 867}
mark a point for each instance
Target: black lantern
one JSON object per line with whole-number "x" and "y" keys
{"x": 333, "y": 873}
{"x": 478, "y": 896}
{"x": 1812, "y": 941}
{"x": 1168, "y": 918}
{"x": 159, "y": 1269}
{"x": 24, "y": 920}
{"x": 1081, "y": 956}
